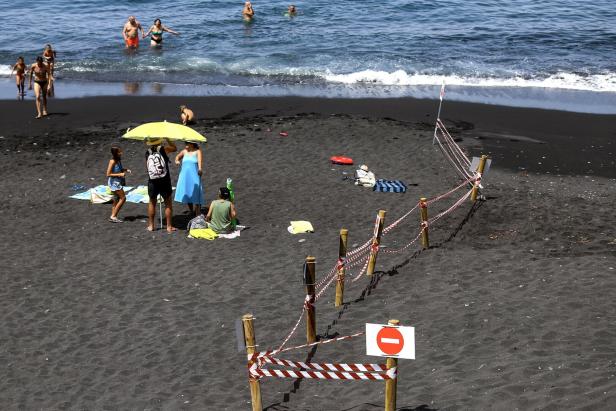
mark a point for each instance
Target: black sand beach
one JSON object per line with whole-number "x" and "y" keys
{"x": 513, "y": 305}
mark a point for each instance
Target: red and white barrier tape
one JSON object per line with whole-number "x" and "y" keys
{"x": 390, "y": 374}
{"x": 264, "y": 358}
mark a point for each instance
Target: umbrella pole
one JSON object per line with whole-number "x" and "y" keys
{"x": 160, "y": 213}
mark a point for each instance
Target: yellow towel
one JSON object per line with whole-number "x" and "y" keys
{"x": 298, "y": 227}
{"x": 203, "y": 233}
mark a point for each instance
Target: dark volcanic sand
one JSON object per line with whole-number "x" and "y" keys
{"x": 513, "y": 305}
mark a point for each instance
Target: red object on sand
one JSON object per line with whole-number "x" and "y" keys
{"x": 347, "y": 161}
{"x": 284, "y": 133}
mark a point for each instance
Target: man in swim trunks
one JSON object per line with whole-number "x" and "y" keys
{"x": 248, "y": 13}
{"x": 130, "y": 32}
{"x": 40, "y": 72}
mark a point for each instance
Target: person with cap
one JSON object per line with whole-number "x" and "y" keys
{"x": 159, "y": 179}
{"x": 221, "y": 213}
{"x": 189, "y": 189}
{"x": 364, "y": 177}
{"x": 186, "y": 115}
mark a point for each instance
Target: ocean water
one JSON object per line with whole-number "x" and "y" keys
{"x": 553, "y": 52}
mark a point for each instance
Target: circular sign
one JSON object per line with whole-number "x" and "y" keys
{"x": 390, "y": 340}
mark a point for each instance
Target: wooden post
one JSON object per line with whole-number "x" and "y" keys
{"x": 250, "y": 341}
{"x": 391, "y": 386}
{"x": 480, "y": 168}
{"x": 311, "y": 326}
{"x": 425, "y": 239}
{"x": 376, "y": 241}
{"x": 342, "y": 250}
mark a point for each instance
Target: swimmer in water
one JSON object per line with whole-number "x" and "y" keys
{"x": 156, "y": 33}
{"x": 248, "y": 13}
{"x": 20, "y": 76}
{"x": 131, "y": 34}
{"x": 291, "y": 11}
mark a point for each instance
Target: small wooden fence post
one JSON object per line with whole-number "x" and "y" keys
{"x": 376, "y": 241}
{"x": 250, "y": 341}
{"x": 342, "y": 250}
{"x": 311, "y": 334}
{"x": 425, "y": 239}
{"x": 391, "y": 386}
{"x": 480, "y": 168}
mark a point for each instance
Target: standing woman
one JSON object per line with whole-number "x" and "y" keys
{"x": 189, "y": 189}
{"x": 116, "y": 180}
{"x": 49, "y": 56}
{"x": 156, "y": 33}
{"x": 41, "y": 74}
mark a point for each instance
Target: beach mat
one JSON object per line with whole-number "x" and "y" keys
{"x": 390, "y": 186}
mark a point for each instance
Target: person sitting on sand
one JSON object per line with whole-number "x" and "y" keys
{"x": 221, "y": 213}
{"x": 248, "y": 13}
{"x": 159, "y": 179}
{"x": 49, "y": 56}
{"x": 40, "y": 71}
{"x": 130, "y": 33}
{"x": 156, "y": 33}
{"x": 20, "y": 75}
{"x": 116, "y": 180}
{"x": 186, "y": 115}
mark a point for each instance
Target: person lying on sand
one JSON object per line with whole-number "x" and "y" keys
{"x": 248, "y": 13}
{"x": 186, "y": 115}
{"x": 41, "y": 74}
{"x": 159, "y": 179}
{"x": 221, "y": 212}
{"x": 156, "y": 33}
{"x": 130, "y": 32}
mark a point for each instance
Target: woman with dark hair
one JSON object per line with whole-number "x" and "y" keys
{"x": 189, "y": 189}
{"x": 41, "y": 74}
{"x": 156, "y": 33}
{"x": 221, "y": 213}
{"x": 116, "y": 180}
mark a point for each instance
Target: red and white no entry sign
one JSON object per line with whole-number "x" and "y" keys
{"x": 390, "y": 341}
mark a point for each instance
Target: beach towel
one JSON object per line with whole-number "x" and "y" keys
{"x": 97, "y": 195}
{"x": 390, "y": 186}
{"x": 298, "y": 227}
{"x": 140, "y": 195}
{"x": 202, "y": 233}
{"x": 234, "y": 234}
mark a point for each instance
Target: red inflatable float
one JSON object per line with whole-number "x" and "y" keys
{"x": 347, "y": 161}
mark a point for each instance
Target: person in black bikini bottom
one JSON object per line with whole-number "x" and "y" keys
{"x": 40, "y": 72}
{"x": 156, "y": 33}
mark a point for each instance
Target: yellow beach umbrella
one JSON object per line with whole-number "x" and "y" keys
{"x": 163, "y": 129}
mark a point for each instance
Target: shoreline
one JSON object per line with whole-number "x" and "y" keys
{"x": 570, "y": 100}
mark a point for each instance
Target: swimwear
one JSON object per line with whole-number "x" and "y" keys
{"x": 41, "y": 83}
{"x": 132, "y": 41}
{"x": 116, "y": 183}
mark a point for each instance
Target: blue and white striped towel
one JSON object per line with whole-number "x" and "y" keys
{"x": 390, "y": 186}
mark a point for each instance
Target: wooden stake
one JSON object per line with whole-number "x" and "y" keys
{"x": 480, "y": 168}
{"x": 376, "y": 241}
{"x": 311, "y": 320}
{"x": 425, "y": 239}
{"x": 391, "y": 386}
{"x": 342, "y": 250}
{"x": 250, "y": 341}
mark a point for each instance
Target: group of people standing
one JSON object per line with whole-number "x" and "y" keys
{"x": 189, "y": 189}
{"x": 131, "y": 29}
{"x": 41, "y": 78}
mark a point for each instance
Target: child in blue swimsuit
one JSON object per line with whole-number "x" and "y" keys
{"x": 116, "y": 180}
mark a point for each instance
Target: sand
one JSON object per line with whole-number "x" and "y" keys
{"x": 513, "y": 304}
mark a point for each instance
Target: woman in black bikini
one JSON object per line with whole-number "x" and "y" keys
{"x": 156, "y": 33}
{"x": 41, "y": 74}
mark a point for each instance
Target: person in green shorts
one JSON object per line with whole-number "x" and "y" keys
{"x": 221, "y": 212}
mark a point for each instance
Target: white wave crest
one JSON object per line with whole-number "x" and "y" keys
{"x": 5, "y": 70}
{"x": 597, "y": 82}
